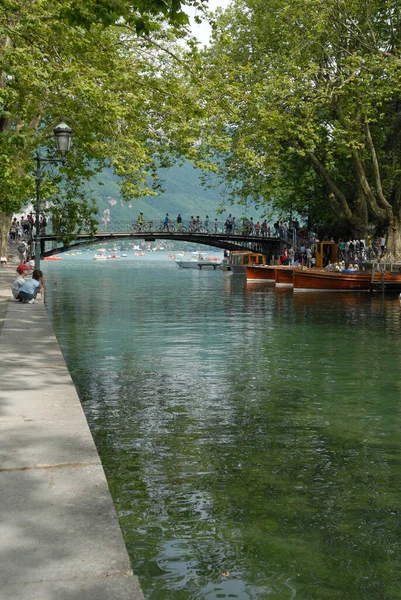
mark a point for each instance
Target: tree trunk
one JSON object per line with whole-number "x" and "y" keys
{"x": 393, "y": 243}
{"x": 5, "y": 222}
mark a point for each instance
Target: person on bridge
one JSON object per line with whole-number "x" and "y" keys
{"x": 140, "y": 221}
{"x": 251, "y": 226}
{"x": 166, "y": 222}
{"x": 207, "y": 224}
{"x": 263, "y": 228}
{"x": 179, "y": 222}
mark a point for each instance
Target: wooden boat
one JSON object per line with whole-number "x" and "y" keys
{"x": 315, "y": 280}
{"x": 259, "y": 273}
{"x": 240, "y": 259}
{"x": 284, "y": 276}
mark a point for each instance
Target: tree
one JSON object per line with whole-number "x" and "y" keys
{"x": 119, "y": 91}
{"x": 313, "y": 90}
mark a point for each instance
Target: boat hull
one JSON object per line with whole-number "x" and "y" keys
{"x": 260, "y": 273}
{"x": 198, "y": 264}
{"x": 238, "y": 269}
{"x": 284, "y": 277}
{"x": 328, "y": 281}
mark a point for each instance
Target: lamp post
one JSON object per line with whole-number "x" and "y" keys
{"x": 63, "y": 140}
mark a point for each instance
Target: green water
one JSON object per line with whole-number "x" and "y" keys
{"x": 250, "y": 437}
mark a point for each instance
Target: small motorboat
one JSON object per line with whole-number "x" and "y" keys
{"x": 199, "y": 261}
{"x": 99, "y": 256}
{"x": 54, "y": 257}
{"x": 114, "y": 256}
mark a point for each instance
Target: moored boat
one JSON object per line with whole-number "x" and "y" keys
{"x": 239, "y": 260}
{"x": 199, "y": 261}
{"x": 315, "y": 280}
{"x": 260, "y": 273}
{"x": 284, "y": 276}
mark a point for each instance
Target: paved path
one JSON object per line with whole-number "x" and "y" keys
{"x": 59, "y": 535}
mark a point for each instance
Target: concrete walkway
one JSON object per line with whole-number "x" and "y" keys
{"x": 59, "y": 535}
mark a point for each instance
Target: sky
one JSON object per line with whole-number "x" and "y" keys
{"x": 203, "y": 31}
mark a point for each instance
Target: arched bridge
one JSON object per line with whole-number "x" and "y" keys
{"x": 270, "y": 246}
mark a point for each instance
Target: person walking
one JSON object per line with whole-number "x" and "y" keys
{"x": 22, "y": 250}
{"x": 13, "y": 231}
{"x": 179, "y": 222}
{"x": 140, "y": 221}
{"x": 166, "y": 222}
{"x": 216, "y": 226}
{"x": 207, "y": 230}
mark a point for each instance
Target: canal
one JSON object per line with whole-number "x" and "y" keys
{"x": 250, "y": 437}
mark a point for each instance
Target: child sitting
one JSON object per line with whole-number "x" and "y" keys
{"x": 22, "y": 271}
{"x": 31, "y": 287}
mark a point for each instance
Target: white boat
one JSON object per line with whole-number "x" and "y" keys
{"x": 199, "y": 261}
{"x": 99, "y": 256}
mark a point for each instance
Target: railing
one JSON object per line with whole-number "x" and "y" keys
{"x": 213, "y": 227}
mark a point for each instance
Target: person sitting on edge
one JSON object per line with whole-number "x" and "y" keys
{"x": 22, "y": 271}
{"x": 30, "y": 288}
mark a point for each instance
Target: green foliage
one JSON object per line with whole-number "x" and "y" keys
{"x": 144, "y": 15}
{"x": 121, "y": 93}
{"x": 310, "y": 86}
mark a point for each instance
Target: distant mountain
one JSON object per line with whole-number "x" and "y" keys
{"x": 183, "y": 193}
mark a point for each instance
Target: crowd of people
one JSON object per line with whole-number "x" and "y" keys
{"x": 304, "y": 257}
{"x": 30, "y": 280}
{"x": 242, "y": 226}
{"x": 25, "y": 228}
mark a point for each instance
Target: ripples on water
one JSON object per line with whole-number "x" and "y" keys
{"x": 251, "y": 437}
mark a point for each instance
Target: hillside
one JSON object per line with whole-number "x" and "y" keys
{"x": 183, "y": 193}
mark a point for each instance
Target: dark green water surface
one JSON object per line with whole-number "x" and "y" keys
{"x": 250, "y": 437}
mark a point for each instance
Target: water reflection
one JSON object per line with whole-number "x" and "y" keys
{"x": 250, "y": 436}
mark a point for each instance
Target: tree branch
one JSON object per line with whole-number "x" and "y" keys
{"x": 376, "y": 170}
{"x": 364, "y": 183}
{"x": 335, "y": 191}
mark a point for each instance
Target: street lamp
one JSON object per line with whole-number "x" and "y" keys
{"x": 63, "y": 140}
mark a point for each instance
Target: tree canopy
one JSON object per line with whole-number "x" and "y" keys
{"x": 119, "y": 91}
{"x": 313, "y": 111}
